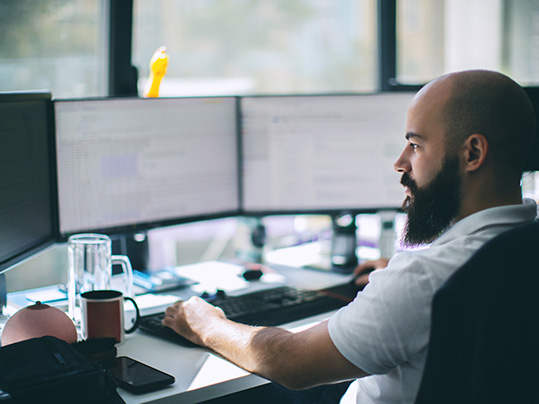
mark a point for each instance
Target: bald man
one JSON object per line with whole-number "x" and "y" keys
{"x": 467, "y": 136}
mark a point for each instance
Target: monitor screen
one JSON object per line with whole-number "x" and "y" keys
{"x": 325, "y": 153}
{"x": 135, "y": 163}
{"x": 27, "y": 184}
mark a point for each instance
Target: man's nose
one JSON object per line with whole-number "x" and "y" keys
{"x": 403, "y": 163}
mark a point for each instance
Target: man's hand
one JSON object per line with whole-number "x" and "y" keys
{"x": 362, "y": 271}
{"x": 189, "y": 318}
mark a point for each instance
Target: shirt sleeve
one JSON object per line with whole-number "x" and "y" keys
{"x": 389, "y": 320}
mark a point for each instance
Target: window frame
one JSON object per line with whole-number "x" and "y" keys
{"x": 123, "y": 75}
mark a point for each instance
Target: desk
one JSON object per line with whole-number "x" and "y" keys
{"x": 200, "y": 375}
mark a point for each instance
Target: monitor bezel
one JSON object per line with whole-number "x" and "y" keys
{"x": 143, "y": 227}
{"x": 40, "y": 245}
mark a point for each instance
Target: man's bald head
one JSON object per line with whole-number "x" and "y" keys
{"x": 493, "y": 105}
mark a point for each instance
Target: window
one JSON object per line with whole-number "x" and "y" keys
{"x": 436, "y": 37}
{"x": 258, "y": 46}
{"x": 263, "y": 47}
{"x": 56, "y": 45}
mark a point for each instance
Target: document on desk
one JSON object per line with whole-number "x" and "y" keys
{"x": 214, "y": 367}
{"x": 212, "y": 275}
{"x": 50, "y": 295}
{"x": 150, "y": 303}
{"x": 212, "y": 372}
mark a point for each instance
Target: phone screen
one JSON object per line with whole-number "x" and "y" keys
{"x": 138, "y": 377}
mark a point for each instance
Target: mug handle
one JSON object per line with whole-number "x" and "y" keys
{"x": 123, "y": 260}
{"x": 137, "y": 315}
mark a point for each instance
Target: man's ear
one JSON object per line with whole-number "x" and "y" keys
{"x": 475, "y": 152}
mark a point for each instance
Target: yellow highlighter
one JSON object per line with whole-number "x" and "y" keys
{"x": 158, "y": 69}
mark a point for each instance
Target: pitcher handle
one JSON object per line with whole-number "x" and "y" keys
{"x": 123, "y": 260}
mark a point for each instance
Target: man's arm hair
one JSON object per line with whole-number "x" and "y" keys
{"x": 295, "y": 360}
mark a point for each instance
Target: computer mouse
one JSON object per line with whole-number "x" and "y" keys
{"x": 252, "y": 274}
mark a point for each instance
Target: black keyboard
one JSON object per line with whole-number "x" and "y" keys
{"x": 270, "y": 307}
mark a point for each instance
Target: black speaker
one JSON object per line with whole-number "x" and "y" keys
{"x": 344, "y": 243}
{"x": 135, "y": 246}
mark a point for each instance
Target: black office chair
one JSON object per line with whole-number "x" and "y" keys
{"x": 484, "y": 339}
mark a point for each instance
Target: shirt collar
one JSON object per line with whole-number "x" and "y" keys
{"x": 500, "y": 215}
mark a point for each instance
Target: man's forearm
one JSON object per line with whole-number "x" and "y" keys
{"x": 294, "y": 360}
{"x": 258, "y": 350}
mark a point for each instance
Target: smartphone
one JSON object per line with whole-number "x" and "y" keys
{"x": 138, "y": 377}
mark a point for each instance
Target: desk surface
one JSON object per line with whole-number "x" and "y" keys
{"x": 201, "y": 375}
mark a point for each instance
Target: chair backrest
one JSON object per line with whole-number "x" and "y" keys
{"x": 484, "y": 338}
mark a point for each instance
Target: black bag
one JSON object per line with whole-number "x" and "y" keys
{"x": 48, "y": 369}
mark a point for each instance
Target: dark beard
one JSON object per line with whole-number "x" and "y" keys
{"x": 432, "y": 208}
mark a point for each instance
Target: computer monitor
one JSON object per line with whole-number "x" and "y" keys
{"x": 129, "y": 164}
{"x": 322, "y": 153}
{"x": 27, "y": 184}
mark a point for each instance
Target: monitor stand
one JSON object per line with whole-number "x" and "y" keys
{"x": 343, "y": 256}
{"x": 250, "y": 239}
